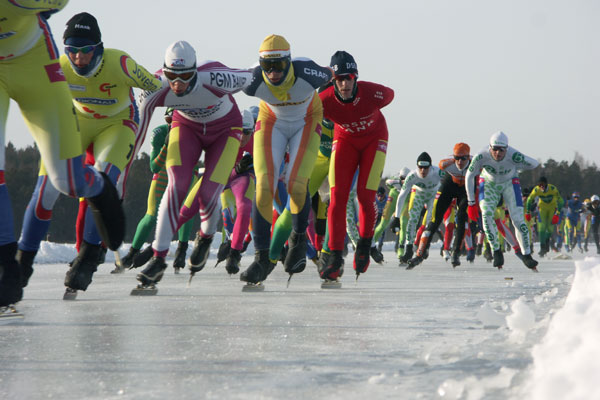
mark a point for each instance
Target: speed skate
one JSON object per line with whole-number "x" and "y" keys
{"x": 9, "y": 314}
{"x": 144, "y": 290}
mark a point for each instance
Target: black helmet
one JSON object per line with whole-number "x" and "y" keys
{"x": 424, "y": 160}
{"x": 343, "y": 63}
{"x": 381, "y": 190}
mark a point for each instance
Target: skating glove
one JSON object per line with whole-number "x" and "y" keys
{"x": 473, "y": 212}
{"x": 555, "y": 219}
{"x": 245, "y": 164}
{"x": 528, "y": 217}
{"x": 395, "y": 227}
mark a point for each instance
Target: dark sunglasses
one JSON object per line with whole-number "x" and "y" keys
{"x": 345, "y": 77}
{"x": 183, "y": 76}
{"x": 83, "y": 49}
{"x": 275, "y": 65}
{"x": 461, "y": 158}
{"x": 498, "y": 148}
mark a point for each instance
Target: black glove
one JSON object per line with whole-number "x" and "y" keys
{"x": 395, "y": 227}
{"x": 245, "y": 164}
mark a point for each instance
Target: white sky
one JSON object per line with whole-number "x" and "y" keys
{"x": 461, "y": 69}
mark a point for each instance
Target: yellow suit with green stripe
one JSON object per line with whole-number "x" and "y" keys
{"x": 549, "y": 202}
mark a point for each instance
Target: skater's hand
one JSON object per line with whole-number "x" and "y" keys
{"x": 395, "y": 227}
{"x": 555, "y": 219}
{"x": 473, "y": 212}
{"x": 527, "y": 217}
{"x": 245, "y": 164}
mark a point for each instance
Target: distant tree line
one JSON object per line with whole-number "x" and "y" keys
{"x": 22, "y": 167}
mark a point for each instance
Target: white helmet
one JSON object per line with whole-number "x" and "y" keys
{"x": 595, "y": 198}
{"x": 499, "y": 139}
{"x": 180, "y": 57}
{"x": 404, "y": 172}
{"x": 247, "y": 120}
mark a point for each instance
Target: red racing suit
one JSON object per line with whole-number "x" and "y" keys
{"x": 360, "y": 138}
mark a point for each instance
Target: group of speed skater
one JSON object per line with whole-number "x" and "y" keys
{"x": 313, "y": 122}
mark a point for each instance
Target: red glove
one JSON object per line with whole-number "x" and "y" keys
{"x": 473, "y": 212}
{"x": 555, "y": 219}
{"x": 528, "y": 217}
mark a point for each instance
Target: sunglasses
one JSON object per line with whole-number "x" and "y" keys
{"x": 274, "y": 65}
{"x": 461, "y": 158}
{"x": 499, "y": 148}
{"x": 423, "y": 167}
{"x": 345, "y": 77}
{"x": 83, "y": 49}
{"x": 182, "y": 76}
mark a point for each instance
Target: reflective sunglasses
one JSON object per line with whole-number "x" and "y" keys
{"x": 83, "y": 49}
{"x": 461, "y": 158}
{"x": 345, "y": 77}
{"x": 499, "y": 148}
{"x": 182, "y": 76}
{"x": 274, "y": 65}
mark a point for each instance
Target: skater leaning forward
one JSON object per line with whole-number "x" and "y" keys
{"x": 31, "y": 74}
{"x": 289, "y": 117}
{"x": 360, "y": 140}
{"x": 206, "y": 119}
{"x": 498, "y": 166}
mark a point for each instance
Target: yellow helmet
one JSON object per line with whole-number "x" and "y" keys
{"x": 274, "y": 46}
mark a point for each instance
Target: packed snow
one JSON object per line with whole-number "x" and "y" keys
{"x": 431, "y": 333}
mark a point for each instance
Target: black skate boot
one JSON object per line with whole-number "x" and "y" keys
{"x": 102, "y": 255}
{"x": 455, "y": 260}
{"x": 332, "y": 266}
{"x": 232, "y": 263}
{"x": 529, "y": 262}
{"x": 413, "y": 262}
{"x": 108, "y": 214}
{"x": 142, "y": 257}
{"x": 153, "y": 272}
{"x": 200, "y": 253}
{"x": 498, "y": 259}
{"x": 295, "y": 261}
{"x": 408, "y": 253}
{"x": 487, "y": 254}
{"x": 25, "y": 260}
{"x": 79, "y": 276}
{"x": 377, "y": 255}
{"x": 11, "y": 289}
{"x": 362, "y": 255}
{"x": 478, "y": 249}
{"x": 180, "y": 253}
{"x": 259, "y": 269}
{"x": 125, "y": 261}
{"x": 223, "y": 251}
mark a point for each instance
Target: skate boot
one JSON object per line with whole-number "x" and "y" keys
{"x": 179, "y": 261}
{"x": 295, "y": 261}
{"x": 200, "y": 253}
{"x": 487, "y": 254}
{"x": 362, "y": 256}
{"x": 519, "y": 254}
{"x": 479, "y": 249}
{"x": 153, "y": 272}
{"x": 142, "y": 257}
{"x": 529, "y": 262}
{"x": 125, "y": 261}
{"x": 108, "y": 214}
{"x": 446, "y": 255}
{"x": 471, "y": 256}
{"x": 223, "y": 251}
{"x": 498, "y": 259}
{"x": 413, "y": 262}
{"x": 11, "y": 289}
{"x": 332, "y": 267}
{"x": 25, "y": 260}
{"x": 408, "y": 253}
{"x": 102, "y": 255}
{"x": 455, "y": 259}
{"x": 79, "y": 276}
{"x": 259, "y": 269}
{"x": 376, "y": 255}
{"x": 232, "y": 263}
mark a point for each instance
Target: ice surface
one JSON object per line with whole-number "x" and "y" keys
{"x": 395, "y": 334}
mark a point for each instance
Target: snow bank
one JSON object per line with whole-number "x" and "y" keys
{"x": 566, "y": 363}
